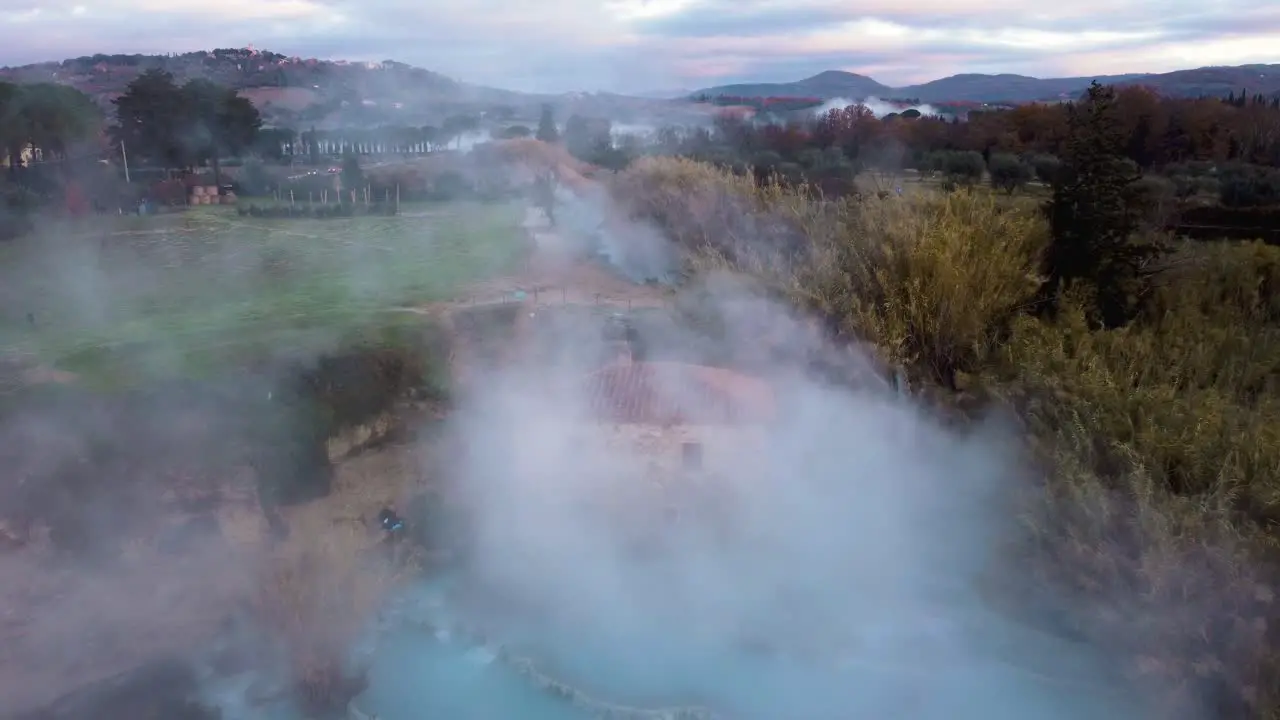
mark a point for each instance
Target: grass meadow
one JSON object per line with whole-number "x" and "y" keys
{"x": 132, "y": 296}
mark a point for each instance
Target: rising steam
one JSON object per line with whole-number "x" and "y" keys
{"x": 878, "y": 107}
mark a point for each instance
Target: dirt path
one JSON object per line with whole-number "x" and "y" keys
{"x": 555, "y": 274}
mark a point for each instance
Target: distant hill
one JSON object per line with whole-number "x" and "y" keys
{"x": 300, "y": 92}
{"x": 826, "y": 85}
{"x": 1211, "y": 81}
{"x": 287, "y": 90}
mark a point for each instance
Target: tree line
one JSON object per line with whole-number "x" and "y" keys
{"x": 183, "y": 126}
{"x": 43, "y": 121}
{"x": 1228, "y": 148}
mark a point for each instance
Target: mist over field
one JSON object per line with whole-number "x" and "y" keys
{"x": 878, "y": 107}
{"x": 206, "y": 412}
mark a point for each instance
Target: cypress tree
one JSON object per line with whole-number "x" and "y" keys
{"x": 1094, "y": 214}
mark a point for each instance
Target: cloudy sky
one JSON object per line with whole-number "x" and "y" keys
{"x": 555, "y": 45}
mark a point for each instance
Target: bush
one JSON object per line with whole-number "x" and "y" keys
{"x": 254, "y": 180}
{"x": 932, "y": 282}
{"x": 316, "y": 595}
{"x": 1241, "y": 186}
{"x": 956, "y": 166}
{"x": 1045, "y": 167}
{"x": 1008, "y": 172}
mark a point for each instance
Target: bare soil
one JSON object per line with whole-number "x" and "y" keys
{"x": 64, "y": 625}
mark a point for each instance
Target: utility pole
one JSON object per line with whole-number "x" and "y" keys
{"x": 125, "y": 157}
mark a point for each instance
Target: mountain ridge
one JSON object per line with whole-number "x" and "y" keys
{"x": 297, "y": 91}
{"x": 1011, "y": 87}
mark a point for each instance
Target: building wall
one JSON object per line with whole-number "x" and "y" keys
{"x": 651, "y": 489}
{"x": 724, "y": 448}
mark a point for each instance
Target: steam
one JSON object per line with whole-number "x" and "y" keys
{"x": 824, "y": 565}
{"x": 878, "y": 107}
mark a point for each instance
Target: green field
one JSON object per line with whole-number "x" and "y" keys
{"x": 188, "y": 292}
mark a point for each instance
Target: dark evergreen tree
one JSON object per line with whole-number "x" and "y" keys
{"x": 547, "y": 131}
{"x": 149, "y": 119}
{"x": 313, "y": 147}
{"x": 1094, "y": 214}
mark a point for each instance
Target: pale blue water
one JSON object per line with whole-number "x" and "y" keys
{"x": 942, "y": 670}
{"x": 415, "y": 677}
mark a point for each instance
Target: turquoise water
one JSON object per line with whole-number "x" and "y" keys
{"x": 415, "y": 675}
{"x": 938, "y": 669}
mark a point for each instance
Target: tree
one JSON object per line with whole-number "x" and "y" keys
{"x": 589, "y": 139}
{"x": 958, "y": 167}
{"x": 352, "y": 175}
{"x": 184, "y": 126}
{"x": 1008, "y": 172}
{"x": 1094, "y": 213}
{"x": 254, "y": 180}
{"x": 547, "y": 131}
{"x": 515, "y": 131}
{"x": 312, "y": 141}
{"x": 430, "y": 136}
{"x": 577, "y": 136}
{"x": 275, "y": 143}
{"x": 216, "y": 121}
{"x": 45, "y": 117}
{"x": 1045, "y": 167}
{"x": 149, "y": 119}
{"x": 455, "y": 126}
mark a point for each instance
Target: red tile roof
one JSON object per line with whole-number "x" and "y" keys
{"x": 666, "y": 393}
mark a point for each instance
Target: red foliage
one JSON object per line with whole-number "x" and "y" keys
{"x": 787, "y": 139}
{"x": 841, "y": 126}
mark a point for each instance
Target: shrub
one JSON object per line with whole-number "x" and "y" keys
{"x": 254, "y": 180}
{"x": 1045, "y": 166}
{"x": 1162, "y": 447}
{"x": 316, "y": 595}
{"x": 1008, "y": 172}
{"x": 1242, "y": 185}
{"x": 932, "y": 282}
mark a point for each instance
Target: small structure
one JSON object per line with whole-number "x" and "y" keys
{"x": 687, "y": 426}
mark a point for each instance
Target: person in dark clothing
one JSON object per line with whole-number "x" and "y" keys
{"x": 391, "y": 524}
{"x": 393, "y": 529}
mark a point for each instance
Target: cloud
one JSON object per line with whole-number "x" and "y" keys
{"x": 632, "y": 44}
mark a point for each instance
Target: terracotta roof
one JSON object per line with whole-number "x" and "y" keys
{"x": 667, "y": 393}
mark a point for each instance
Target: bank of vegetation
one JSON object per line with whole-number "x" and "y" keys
{"x": 1146, "y": 369}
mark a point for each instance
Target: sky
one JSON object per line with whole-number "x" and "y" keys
{"x": 641, "y": 45}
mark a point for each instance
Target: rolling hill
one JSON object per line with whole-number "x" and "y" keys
{"x": 301, "y": 92}
{"x": 298, "y": 92}
{"x": 287, "y": 90}
{"x": 1211, "y": 81}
